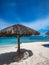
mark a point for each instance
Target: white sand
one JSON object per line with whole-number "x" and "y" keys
{"x": 40, "y": 53}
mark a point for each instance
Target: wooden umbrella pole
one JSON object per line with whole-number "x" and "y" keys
{"x": 18, "y": 45}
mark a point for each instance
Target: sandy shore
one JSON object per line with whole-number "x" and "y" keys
{"x": 40, "y": 55}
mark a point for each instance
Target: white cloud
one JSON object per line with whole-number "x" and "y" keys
{"x": 38, "y": 24}
{"x": 3, "y": 24}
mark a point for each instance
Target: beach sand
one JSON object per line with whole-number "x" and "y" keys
{"x": 40, "y": 54}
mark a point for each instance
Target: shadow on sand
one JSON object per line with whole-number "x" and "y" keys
{"x": 7, "y": 57}
{"x": 46, "y": 45}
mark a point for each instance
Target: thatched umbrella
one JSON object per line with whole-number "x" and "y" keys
{"x": 18, "y": 31}
{"x": 47, "y": 33}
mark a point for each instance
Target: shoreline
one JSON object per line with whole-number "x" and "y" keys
{"x": 6, "y": 45}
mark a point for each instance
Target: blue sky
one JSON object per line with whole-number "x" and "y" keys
{"x": 32, "y": 13}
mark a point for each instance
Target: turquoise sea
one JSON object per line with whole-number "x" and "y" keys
{"x": 24, "y": 39}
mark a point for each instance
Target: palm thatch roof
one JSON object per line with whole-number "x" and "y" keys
{"x": 47, "y": 33}
{"x": 18, "y": 29}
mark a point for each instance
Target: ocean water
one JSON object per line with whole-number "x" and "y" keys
{"x": 24, "y": 39}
